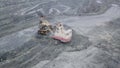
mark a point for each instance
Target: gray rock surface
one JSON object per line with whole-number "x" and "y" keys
{"x": 104, "y": 51}
{"x": 95, "y": 42}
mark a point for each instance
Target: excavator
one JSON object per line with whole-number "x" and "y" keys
{"x": 57, "y": 32}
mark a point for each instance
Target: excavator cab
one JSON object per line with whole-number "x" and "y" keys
{"x": 44, "y": 30}
{"x": 44, "y": 26}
